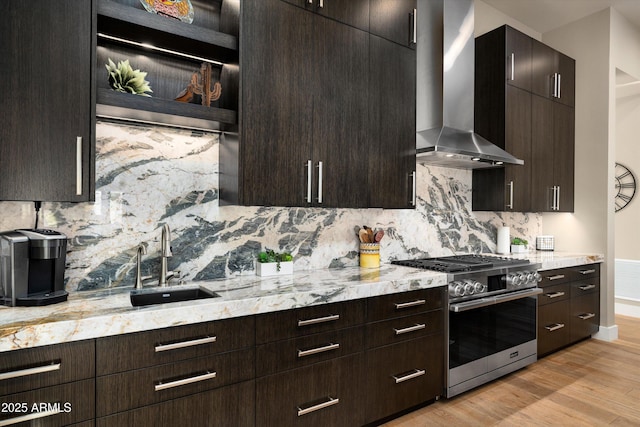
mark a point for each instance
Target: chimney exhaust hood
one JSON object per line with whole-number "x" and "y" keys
{"x": 445, "y": 85}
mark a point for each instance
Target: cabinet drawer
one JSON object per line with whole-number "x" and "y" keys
{"x": 308, "y": 320}
{"x": 132, "y": 389}
{"x": 37, "y": 367}
{"x": 404, "y": 328}
{"x": 282, "y": 355}
{"x": 554, "y": 326}
{"x": 324, "y": 394}
{"x": 586, "y": 271}
{"x": 403, "y": 304}
{"x": 139, "y": 350}
{"x": 554, "y": 293}
{"x": 51, "y": 406}
{"x": 553, "y": 277}
{"x": 403, "y": 375}
{"x": 585, "y": 316}
{"x": 584, "y": 287}
{"x": 222, "y": 407}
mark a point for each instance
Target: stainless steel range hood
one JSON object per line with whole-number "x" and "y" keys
{"x": 445, "y": 85}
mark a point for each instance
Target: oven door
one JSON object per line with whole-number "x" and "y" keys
{"x": 487, "y": 334}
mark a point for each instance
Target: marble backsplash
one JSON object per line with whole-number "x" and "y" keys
{"x": 147, "y": 176}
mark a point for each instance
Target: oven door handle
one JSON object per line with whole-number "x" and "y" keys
{"x": 485, "y": 302}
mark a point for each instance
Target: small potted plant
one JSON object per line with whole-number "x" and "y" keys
{"x": 271, "y": 263}
{"x": 519, "y": 245}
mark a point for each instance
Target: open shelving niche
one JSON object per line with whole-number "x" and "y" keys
{"x": 170, "y": 51}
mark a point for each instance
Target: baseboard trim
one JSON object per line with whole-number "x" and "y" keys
{"x": 607, "y": 333}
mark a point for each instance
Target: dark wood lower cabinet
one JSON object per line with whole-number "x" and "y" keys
{"x": 569, "y": 307}
{"x": 224, "y": 407}
{"x": 324, "y": 394}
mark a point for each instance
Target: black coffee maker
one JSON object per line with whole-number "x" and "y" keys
{"x": 32, "y": 263}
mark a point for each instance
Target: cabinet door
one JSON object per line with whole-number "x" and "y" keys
{"x": 542, "y": 148}
{"x": 277, "y": 109}
{"x": 585, "y": 316}
{"x": 563, "y": 155}
{"x": 566, "y": 67}
{"x": 392, "y": 118}
{"x": 554, "y": 326}
{"x": 518, "y": 143}
{"x": 542, "y": 68}
{"x": 518, "y": 52}
{"x": 394, "y": 20}
{"x": 47, "y": 124}
{"x": 338, "y": 88}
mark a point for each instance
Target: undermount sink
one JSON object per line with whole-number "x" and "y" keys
{"x": 153, "y": 296}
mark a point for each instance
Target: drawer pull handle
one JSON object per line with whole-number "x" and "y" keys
{"x": 415, "y": 303}
{"x": 587, "y": 316}
{"x": 30, "y": 371}
{"x": 414, "y": 374}
{"x": 586, "y": 287}
{"x": 416, "y": 327}
{"x": 329, "y": 402}
{"x": 29, "y": 417}
{"x": 308, "y": 322}
{"x": 163, "y": 386}
{"x": 184, "y": 344}
{"x": 587, "y": 271}
{"x": 555, "y": 327}
{"x": 555, "y": 294}
{"x": 328, "y": 347}
{"x": 556, "y": 277}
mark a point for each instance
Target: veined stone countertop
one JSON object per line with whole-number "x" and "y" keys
{"x": 109, "y": 312}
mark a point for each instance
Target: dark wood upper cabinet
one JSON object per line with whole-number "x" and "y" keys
{"x": 47, "y": 126}
{"x": 309, "y": 133}
{"x": 519, "y": 114}
{"x": 553, "y": 74}
{"x": 394, "y": 20}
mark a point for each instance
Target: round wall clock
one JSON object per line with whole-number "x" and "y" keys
{"x": 625, "y": 186}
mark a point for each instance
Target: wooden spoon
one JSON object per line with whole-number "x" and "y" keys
{"x": 378, "y": 236}
{"x": 364, "y": 236}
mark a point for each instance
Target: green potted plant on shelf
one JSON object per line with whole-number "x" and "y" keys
{"x": 271, "y": 263}
{"x": 519, "y": 245}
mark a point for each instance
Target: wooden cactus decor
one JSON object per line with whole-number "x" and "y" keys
{"x": 201, "y": 85}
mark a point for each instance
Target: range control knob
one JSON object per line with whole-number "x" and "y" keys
{"x": 513, "y": 279}
{"x": 456, "y": 289}
{"x": 479, "y": 288}
{"x": 469, "y": 287}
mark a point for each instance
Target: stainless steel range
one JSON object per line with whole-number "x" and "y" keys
{"x": 492, "y": 324}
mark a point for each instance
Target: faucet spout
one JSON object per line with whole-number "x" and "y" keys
{"x": 165, "y": 253}
{"x": 142, "y": 250}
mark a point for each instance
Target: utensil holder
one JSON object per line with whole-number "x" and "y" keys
{"x": 370, "y": 255}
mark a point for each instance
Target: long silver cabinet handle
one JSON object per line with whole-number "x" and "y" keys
{"x": 586, "y": 287}
{"x": 331, "y": 318}
{"x": 513, "y": 66}
{"x": 412, "y": 202}
{"x": 329, "y": 402}
{"x": 414, "y": 32}
{"x": 558, "y": 197}
{"x": 309, "y": 178}
{"x": 416, "y": 327}
{"x": 555, "y": 294}
{"x": 328, "y": 347}
{"x": 414, "y": 374}
{"x": 319, "y": 182}
{"x": 79, "y": 166}
{"x": 510, "y": 205}
{"x": 400, "y": 306}
{"x": 555, "y": 327}
{"x": 587, "y": 316}
{"x": 183, "y": 344}
{"x": 30, "y": 371}
{"x": 556, "y": 277}
{"x": 163, "y": 386}
{"x": 320, "y": 4}
{"x": 29, "y": 417}
{"x": 559, "y": 89}
{"x": 590, "y": 271}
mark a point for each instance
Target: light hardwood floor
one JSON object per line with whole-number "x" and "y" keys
{"x": 592, "y": 383}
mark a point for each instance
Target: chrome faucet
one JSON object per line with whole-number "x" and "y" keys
{"x": 165, "y": 253}
{"x": 142, "y": 250}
